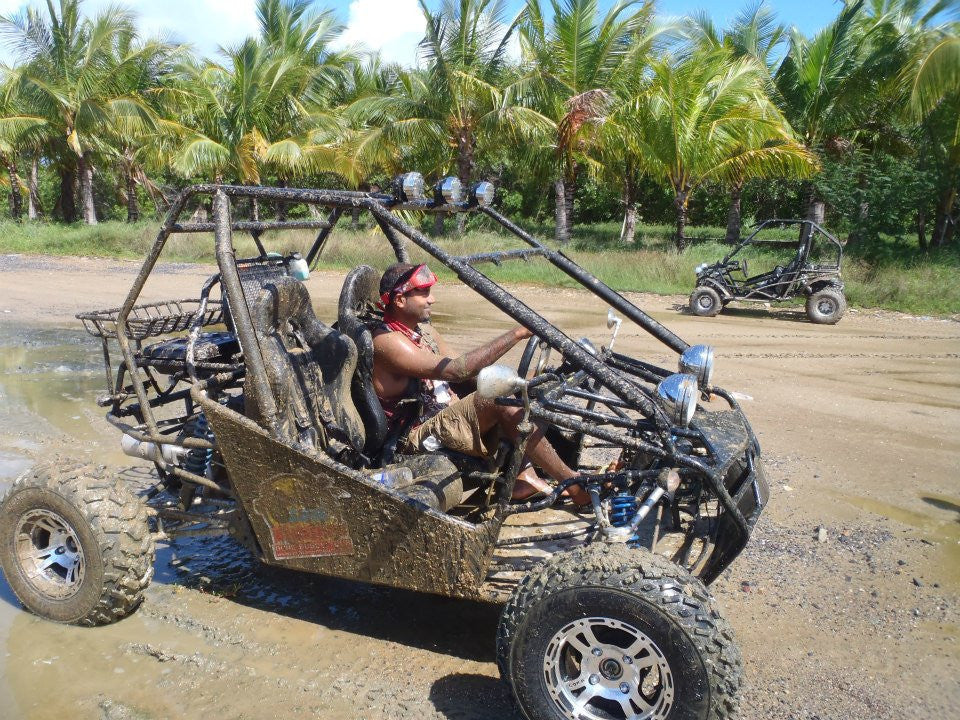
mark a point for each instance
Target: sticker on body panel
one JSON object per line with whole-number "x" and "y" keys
{"x": 303, "y": 522}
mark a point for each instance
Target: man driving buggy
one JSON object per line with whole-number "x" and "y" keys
{"x": 413, "y": 367}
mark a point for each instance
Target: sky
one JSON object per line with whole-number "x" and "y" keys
{"x": 393, "y": 27}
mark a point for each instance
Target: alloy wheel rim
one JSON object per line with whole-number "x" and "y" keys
{"x": 705, "y": 302}
{"x": 49, "y": 554}
{"x": 600, "y": 668}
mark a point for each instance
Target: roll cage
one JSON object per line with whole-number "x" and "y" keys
{"x": 618, "y": 391}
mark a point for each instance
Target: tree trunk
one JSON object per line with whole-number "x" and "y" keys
{"x": 569, "y": 186}
{"x": 67, "y": 203}
{"x": 943, "y": 225}
{"x": 33, "y": 205}
{"x": 922, "y": 229}
{"x": 281, "y": 205}
{"x": 562, "y": 232}
{"x": 466, "y": 152}
{"x": 254, "y": 209}
{"x": 629, "y": 230}
{"x": 816, "y": 208}
{"x": 355, "y": 219}
{"x": 16, "y": 190}
{"x": 438, "y": 219}
{"x": 133, "y": 205}
{"x": 86, "y": 190}
{"x": 680, "y": 204}
{"x": 734, "y": 217}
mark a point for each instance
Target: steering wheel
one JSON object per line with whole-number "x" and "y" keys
{"x": 536, "y": 354}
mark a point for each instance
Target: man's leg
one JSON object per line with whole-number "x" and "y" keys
{"x": 539, "y": 448}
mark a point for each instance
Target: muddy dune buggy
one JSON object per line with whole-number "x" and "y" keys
{"x": 262, "y": 422}
{"x": 807, "y": 267}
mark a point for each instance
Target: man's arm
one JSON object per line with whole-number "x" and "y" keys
{"x": 394, "y": 352}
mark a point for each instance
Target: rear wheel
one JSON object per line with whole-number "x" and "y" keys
{"x": 609, "y": 632}
{"x": 75, "y": 545}
{"x": 826, "y": 306}
{"x": 705, "y": 302}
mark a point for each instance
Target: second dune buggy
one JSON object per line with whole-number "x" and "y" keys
{"x": 262, "y": 422}
{"x": 806, "y": 267}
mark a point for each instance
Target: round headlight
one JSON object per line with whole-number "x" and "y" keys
{"x": 408, "y": 187}
{"x": 588, "y": 345}
{"x": 697, "y": 360}
{"x": 678, "y": 396}
{"x": 483, "y": 193}
{"x": 449, "y": 191}
{"x": 700, "y": 268}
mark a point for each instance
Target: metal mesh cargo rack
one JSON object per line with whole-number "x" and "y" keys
{"x": 152, "y": 319}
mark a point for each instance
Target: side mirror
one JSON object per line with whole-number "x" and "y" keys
{"x": 613, "y": 323}
{"x": 498, "y": 381}
{"x": 612, "y": 320}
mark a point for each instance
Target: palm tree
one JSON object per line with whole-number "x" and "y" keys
{"x": 934, "y": 98}
{"x": 456, "y": 109}
{"x": 823, "y": 85}
{"x": 261, "y": 108}
{"x": 754, "y": 33}
{"x": 705, "y": 117}
{"x": 572, "y": 62}
{"x": 74, "y": 79}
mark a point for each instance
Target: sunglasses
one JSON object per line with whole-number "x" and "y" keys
{"x": 421, "y": 277}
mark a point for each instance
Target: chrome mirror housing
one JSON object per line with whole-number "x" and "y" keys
{"x": 498, "y": 381}
{"x": 613, "y": 323}
{"x": 678, "y": 396}
{"x": 697, "y": 360}
{"x": 612, "y": 319}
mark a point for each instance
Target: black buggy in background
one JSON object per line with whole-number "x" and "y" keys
{"x": 262, "y": 422}
{"x": 812, "y": 271}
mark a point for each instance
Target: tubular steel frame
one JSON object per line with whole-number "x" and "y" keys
{"x": 620, "y": 374}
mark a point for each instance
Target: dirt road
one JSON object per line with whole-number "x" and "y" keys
{"x": 860, "y": 428}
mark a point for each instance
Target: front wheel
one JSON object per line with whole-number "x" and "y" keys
{"x": 705, "y": 302}
{"x": 827, "y": 306}
{"x": 613, "y": 632}
{"x": 75, "y": 545}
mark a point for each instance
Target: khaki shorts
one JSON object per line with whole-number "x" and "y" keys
{"x": 457, "y": 428}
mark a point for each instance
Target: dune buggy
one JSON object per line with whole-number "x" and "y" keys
{"x": 807, "y": 267}
{"x": 262, "y": 423}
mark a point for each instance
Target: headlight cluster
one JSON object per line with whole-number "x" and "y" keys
{"x": 701, "y": 267}
{"x": 410, "y": 187}
{"x": 678, "y": 396}
{"x": 678, "y": 393}
{"x": 697, "y": 360}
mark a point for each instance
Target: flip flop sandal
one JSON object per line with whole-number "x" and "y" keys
{"x": 536, "y": 496}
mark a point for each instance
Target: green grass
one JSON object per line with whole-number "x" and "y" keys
{"x": 898, "y": 278}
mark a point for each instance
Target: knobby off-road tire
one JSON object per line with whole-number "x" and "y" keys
{"x": 705, "y": 302}
{"x": 682, "y": 653}
{"x": 826, "y": 307}
{"x": 75, "y": 545}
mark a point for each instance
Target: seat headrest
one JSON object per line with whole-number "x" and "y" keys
{"x": 360, "y": 293}
{"x": 284, "y": 299}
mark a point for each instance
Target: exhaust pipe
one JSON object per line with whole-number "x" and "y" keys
{"x": 146, "y": 450}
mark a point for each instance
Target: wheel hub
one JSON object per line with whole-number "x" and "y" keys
{"x": 611, "y": 669}
{"x": 604, "y": 669}
{"x": 49, "y": 554}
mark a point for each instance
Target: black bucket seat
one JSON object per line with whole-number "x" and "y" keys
{"x": 310, "y": 368}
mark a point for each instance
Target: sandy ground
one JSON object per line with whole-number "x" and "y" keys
{"x": 861, "y": 435}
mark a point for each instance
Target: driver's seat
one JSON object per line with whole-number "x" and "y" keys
{"x": 358, "y": 301}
